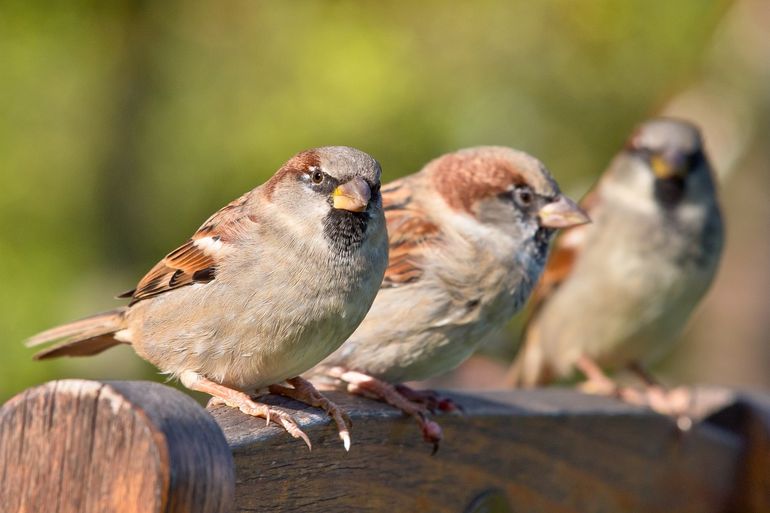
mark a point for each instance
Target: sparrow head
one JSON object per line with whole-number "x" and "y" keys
{"x": 336, "y": 185}
{"x": 504, "y": 189}
{"x": 667, "y": 159}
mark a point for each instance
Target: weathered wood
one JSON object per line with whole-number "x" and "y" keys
{"x": 133, "y": 447}
{"x": 83, "y": 446}
{"x": 547, "y": 450}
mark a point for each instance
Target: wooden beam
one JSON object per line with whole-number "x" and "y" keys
{"x": 85, "y": 446}
{"x": 544, "y": 450}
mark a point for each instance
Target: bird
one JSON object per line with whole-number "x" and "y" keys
{"x": 468, "y": 235}
{"x": 617, "y": 293}
{"x": 266, "y": 288}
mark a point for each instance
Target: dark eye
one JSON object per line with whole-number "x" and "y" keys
{"x": 523, "y": 196}
{"x": 317, "y": 176}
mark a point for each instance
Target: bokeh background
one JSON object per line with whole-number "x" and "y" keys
{"x": 123, "y": 125}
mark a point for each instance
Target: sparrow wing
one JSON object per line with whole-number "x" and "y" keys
{"x": 410, "y": 234}
{"x": 196, "y": 260}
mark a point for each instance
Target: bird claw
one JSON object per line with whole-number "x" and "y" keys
{"x": 431, "y": 432}
{"x": 430, "y": 399}
{"x": 305, "y": 392}
{"x": 398, "y": 396}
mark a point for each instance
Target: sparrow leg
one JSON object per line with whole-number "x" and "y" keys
{"x": 305, "y": 392}
{"x": 675, "y": 402}
{"x": 237, "y": 399}
{"x": 598, "y": 383}
{"x": 361, "y": 384}
{"x": 430, "y": 399}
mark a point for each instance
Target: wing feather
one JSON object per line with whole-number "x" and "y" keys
{"x": 410, "y": 234}
{"x": 196, "y": 260}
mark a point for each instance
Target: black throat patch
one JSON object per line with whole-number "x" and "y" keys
{"x": 669, "y": 192}
{"x": 542, "y": 240}
{"x": 345, "y": 230}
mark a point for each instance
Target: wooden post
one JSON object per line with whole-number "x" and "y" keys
{"x": 141, "y": 447}
{"x": 75, "y": 446}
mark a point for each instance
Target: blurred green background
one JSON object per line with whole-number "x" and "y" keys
{"x": 123, "y": 125}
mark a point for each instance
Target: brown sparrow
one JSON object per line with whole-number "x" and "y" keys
{"x": 468, "y": 238}
{"x": 266, "y": 288}
{"x": 617, "y": 292}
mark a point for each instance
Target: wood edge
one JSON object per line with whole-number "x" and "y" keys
{"x": 162, "y": 422}
{"x": 158, "y": 435}
{"x": 240, "y": 430}
{"x": 749, "y": 418}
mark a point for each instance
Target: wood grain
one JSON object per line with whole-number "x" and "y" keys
{"x": 545, "y": 450}
{"x": 84, "y": 446}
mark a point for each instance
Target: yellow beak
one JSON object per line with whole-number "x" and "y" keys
{"x": 663, "y": 168}
{"x": 353, "y": 195}
{"x": 562, "y": 213}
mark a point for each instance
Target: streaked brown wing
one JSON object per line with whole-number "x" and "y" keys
{"x": 196, "y": 260}
{"x": 410, "y": 234}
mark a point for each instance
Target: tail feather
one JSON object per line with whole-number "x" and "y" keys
{"x": 84, "y": 337}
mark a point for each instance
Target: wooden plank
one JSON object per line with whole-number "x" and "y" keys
{"x": 544, "y": 450}
{"x": 84, "y": 446}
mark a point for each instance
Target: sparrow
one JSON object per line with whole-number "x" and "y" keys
{"x": 468, "y": 236}
{"x": 266, "y": 288}
{"x": 617, "y": 293}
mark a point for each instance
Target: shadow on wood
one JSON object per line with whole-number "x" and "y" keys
{"x": 141, "y": 447}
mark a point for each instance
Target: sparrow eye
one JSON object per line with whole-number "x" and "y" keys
{"x": 317, "y": 176}
{"x": 523, "y": 196}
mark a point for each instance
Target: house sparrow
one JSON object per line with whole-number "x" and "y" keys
{"x": 468, "y": 238}
{"x": 619, "y": 291}
{"x": 266, "y": 288}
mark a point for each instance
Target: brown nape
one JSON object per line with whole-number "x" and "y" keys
{"x": 462, "y": 179}
{"x": 86, "y": 347}
{"x": 299, "y": 163}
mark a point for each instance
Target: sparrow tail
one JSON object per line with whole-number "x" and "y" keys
{"x": 85, "y": 337}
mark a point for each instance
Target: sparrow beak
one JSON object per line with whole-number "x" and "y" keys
{"x": 352, "y": 196}
{"x": 668, "y": 166}
{"x": 562, "y": 213}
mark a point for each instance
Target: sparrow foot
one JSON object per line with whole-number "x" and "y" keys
{"x": 597, "y": 382}
{"x": 676, "y": 402}
{"x": 430, "y": 399}
{"x": 362, "y": 384}
{"x": 237, "y": 399}
{"x": 305, "y": 392}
